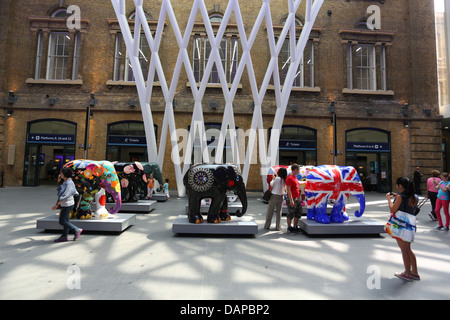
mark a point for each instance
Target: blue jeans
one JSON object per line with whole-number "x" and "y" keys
{"x": 64, "y": 221}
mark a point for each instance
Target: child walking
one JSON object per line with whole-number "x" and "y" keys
{"x": 166, "y": 189}
{"x": 66, "y": 191}
{"x": 150, "y": 186}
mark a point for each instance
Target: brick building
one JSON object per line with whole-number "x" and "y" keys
{"x": 381, "y": 84}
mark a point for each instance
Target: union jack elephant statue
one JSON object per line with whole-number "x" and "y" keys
{"x": 329, "y": 182}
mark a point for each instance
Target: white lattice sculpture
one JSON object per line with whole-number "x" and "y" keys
{"x": 267, "y": 156}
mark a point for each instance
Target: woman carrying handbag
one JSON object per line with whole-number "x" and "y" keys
{"x": 402, "y": 225}
{"x": 277, "y": 184}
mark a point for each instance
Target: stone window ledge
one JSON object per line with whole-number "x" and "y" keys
{"x": 213, "y": 85}
{"x": 67, "y": 82}
{"x": 121, "y": 83}
{"x": 297, "y": 89}
{"x": 368, "y": 92}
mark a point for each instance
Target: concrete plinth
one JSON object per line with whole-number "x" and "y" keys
{"x": 233, "y": 207}
{"x": 112, "y": 223}
{"x": 242, "y": 225}
{"x": 142, "y": 206}
{"x": 160, "y": 197}
{"x": 352, "y": 226}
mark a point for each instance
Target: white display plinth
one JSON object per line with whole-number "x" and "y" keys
{"x": 352, "y": 226}
{"x": 233, "y": 207}
{"x": 112, "y": 223}
{"x": 242, "y": 225}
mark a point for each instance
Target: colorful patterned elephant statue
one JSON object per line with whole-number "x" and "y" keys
{"x": 131, "y": 176}
{"x": 213, "y": 181}
{"x": 92, "y": 179}
{"x": 329, "y": 182}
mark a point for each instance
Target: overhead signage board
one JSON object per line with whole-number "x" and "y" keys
{"x": 368, "y": 146}
{"x": 51, "y": 138}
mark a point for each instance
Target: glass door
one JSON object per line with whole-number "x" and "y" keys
{"x": 32, "y": 165}
{"x": 385, "y": 173}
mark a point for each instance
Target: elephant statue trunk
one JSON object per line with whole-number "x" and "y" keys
{"x": 242, "y": 195}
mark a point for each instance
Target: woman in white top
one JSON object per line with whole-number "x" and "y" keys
{"x": 278, "y": 185}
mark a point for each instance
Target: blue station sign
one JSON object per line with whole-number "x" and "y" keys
{"x": 127, "y": 140}
{"x": 368, "y": 146}
{"x": 51, "y": 138}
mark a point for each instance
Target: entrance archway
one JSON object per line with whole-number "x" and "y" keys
{"x": 369, "y": 151}
{"x": 50, "y": 144}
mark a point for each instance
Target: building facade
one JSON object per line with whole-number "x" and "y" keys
{"x": 381, "y": 85}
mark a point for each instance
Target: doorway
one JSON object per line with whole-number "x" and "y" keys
{"x": 373, "y": 170}
{"x": 369, "y": 151}
{"x": 44, "y": 162}
{"x": 50, "y": 144}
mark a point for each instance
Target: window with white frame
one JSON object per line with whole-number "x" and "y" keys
{"x": 304, "y": 75}
{"x": 366, "y": 67}
{"x": 58, "y": 55}
{"x": 228, "y": 51}
{"x": 123, "y": 70}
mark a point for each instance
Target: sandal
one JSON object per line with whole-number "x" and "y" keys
{"x": 403, "y": 276}
{"x": 415, "y": 276}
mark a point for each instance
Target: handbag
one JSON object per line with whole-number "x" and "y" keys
{"x": 419, "y": 205}
{"x": 266, "y": 196}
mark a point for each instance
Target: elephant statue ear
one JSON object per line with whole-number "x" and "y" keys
{"x": 221, "y": 174}
{"x": 200, "y": 179}
{"x": 139, "y": 165}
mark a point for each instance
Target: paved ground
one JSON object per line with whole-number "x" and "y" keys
{"x": 147, "y": 261}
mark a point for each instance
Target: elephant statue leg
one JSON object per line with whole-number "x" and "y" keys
{"x": 194, "y": 213}
{"x": 223, "y": 214}
{"x": 311, "y": 205}
{"x": 100, "y": 200}
{"x": 338, "y": 209}
{"x": 214, "y": 208}
{"x": 321, "y": 201}
{"x": 84, "y": 211}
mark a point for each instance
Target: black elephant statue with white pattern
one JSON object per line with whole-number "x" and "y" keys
{"x": 213, "y": 181}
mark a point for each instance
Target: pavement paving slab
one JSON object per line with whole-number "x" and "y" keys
{"x": 149, "y": 261}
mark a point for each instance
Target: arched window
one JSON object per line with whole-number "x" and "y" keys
{"x": 228, "y": 51}
{"x": 369, "y": 151}
{"x": 61, "y": 61}
{"x": 126, "y": 141}
{"x": 298, "y": 144}
{"x": 304, "y": 76}
{"x": 123, "y": 71}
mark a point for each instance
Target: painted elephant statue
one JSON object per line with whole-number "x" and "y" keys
{"x": 153, "y": 168}
{"x": 330, "y": 182}
{"x": 131, "y": 176}
{"x": 213, "y": 181}
{"x": 92, "y": 179}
